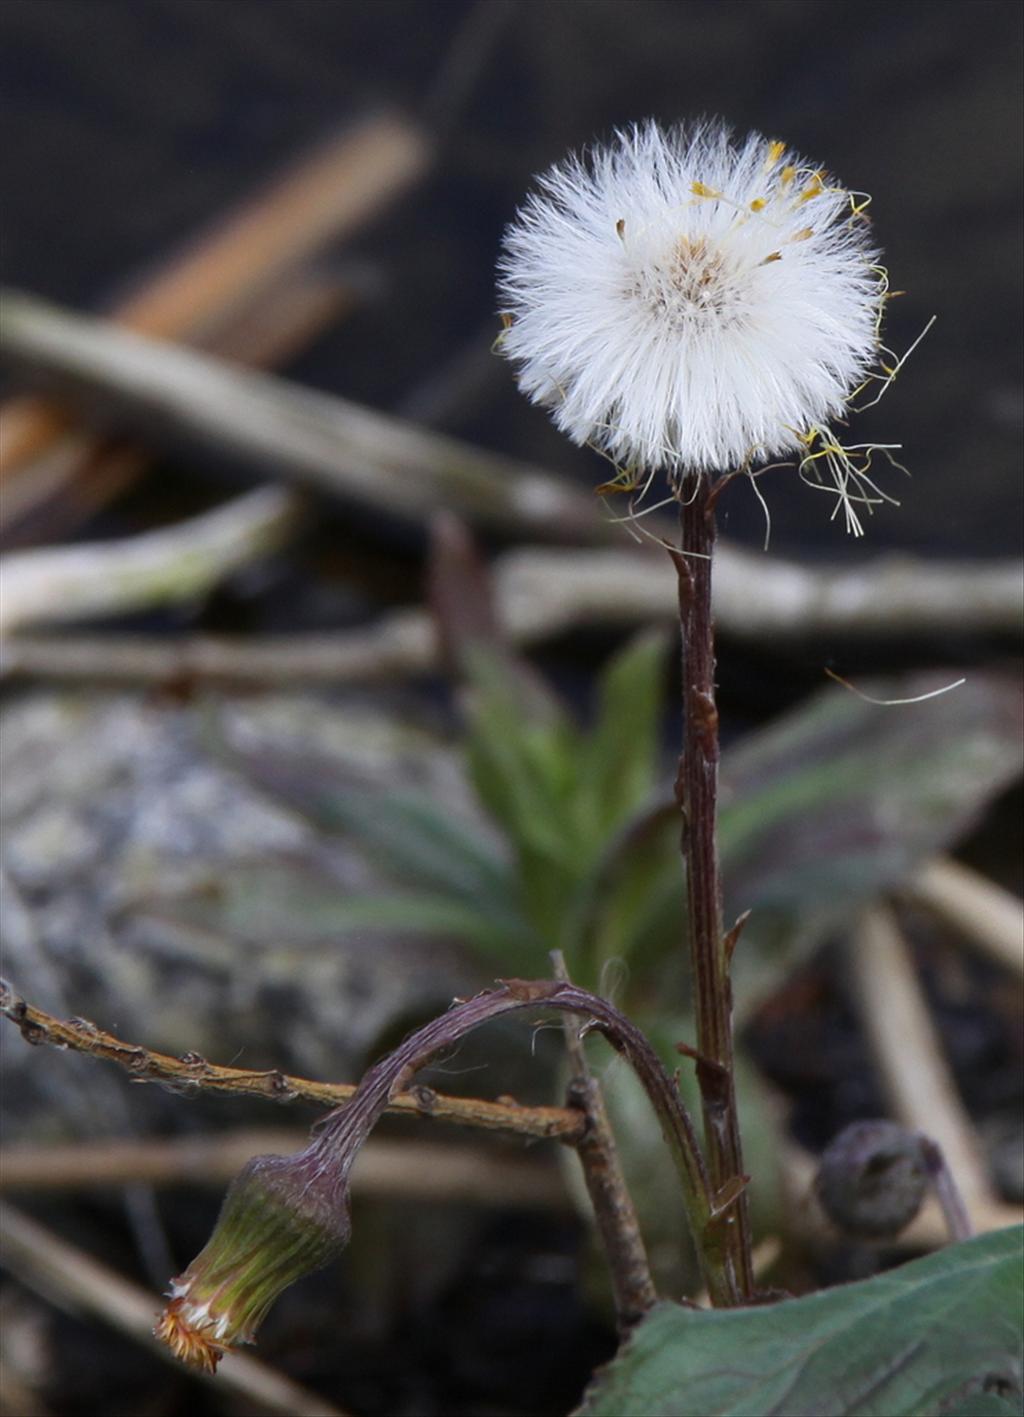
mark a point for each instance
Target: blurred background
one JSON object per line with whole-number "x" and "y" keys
{"x": 210, "y": 692}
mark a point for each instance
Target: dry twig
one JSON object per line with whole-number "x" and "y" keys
{"x": 191, "y": 1074}
{"x": 614, "y": 1212}
{"x": 77, "y": 1283}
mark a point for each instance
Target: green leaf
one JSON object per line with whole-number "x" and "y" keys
{"x": 983, "y": 1404}
{"x": 282, "y": 902}
{"x": 841, "y": 798}
{"x": 421, "y": 845}
{"x": 620, "y": 754}
{"x": 898, "y": 1345}
{"x": 417, "y": 840}
{"x": 630, "y": 905}
{"x": 524, "y": 766}
{"x": 559, "y": 793}
{"x": 524, "y": 775}
{"x": 416, "y": 915}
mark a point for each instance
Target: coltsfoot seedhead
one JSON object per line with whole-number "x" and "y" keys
{"x": 690, "y": 303}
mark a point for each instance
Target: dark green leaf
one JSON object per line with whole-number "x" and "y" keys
{"x": 421, "y": 842}
{"x": 524, "y": 767}
{"x": 413, "y": 914}
{"x": 984, "y": 1404}
{"x": 620, "y": 754}
{"x": 524, "y": 778}
{"x": 840, "y": 798}
{"x": 279, "y": 902}
{"x": 898, "y": 1345}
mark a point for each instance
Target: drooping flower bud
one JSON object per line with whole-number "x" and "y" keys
{"x": 283, "y": 1217}
{"x": 872, "y": 1179}
{"x": 286, "y": 1216}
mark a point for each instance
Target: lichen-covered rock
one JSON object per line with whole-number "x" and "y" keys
{"x": 152, "y": 884}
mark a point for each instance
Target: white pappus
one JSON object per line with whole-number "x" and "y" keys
{"x": 689, "y": 304}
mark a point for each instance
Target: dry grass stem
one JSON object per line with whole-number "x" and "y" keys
{"x": 174, "y": 397}
{"x": 192, "y": 1074}
{"x": 987, "y": 916}
{"x": 55, "y": 495}
{"x": 397, "y": 1170}
{"x": 285, "y": 319}
{"x": 18, "y": 1398}
{"x": 241, "y": 291}
{"x": 540, "y": 594}
{"x": 76, "y": 1283}
{"x": 914, "y": 1072}
{"x": 324, "y": 196}
{"x": 155, "y": 568}
{"x": 399, "y": 644}
{"x": 75, "y": 475}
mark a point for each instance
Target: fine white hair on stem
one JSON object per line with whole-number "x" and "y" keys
{"x": 689, "y": 303}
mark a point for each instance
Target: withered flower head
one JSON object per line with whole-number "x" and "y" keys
{"x": 282, "y": 1218}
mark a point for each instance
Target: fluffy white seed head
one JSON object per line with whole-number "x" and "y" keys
{"x": 684, "y": 302}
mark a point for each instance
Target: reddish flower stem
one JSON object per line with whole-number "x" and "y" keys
{"x": 697, "y": 796}
{"x": 339, "y": 1136}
